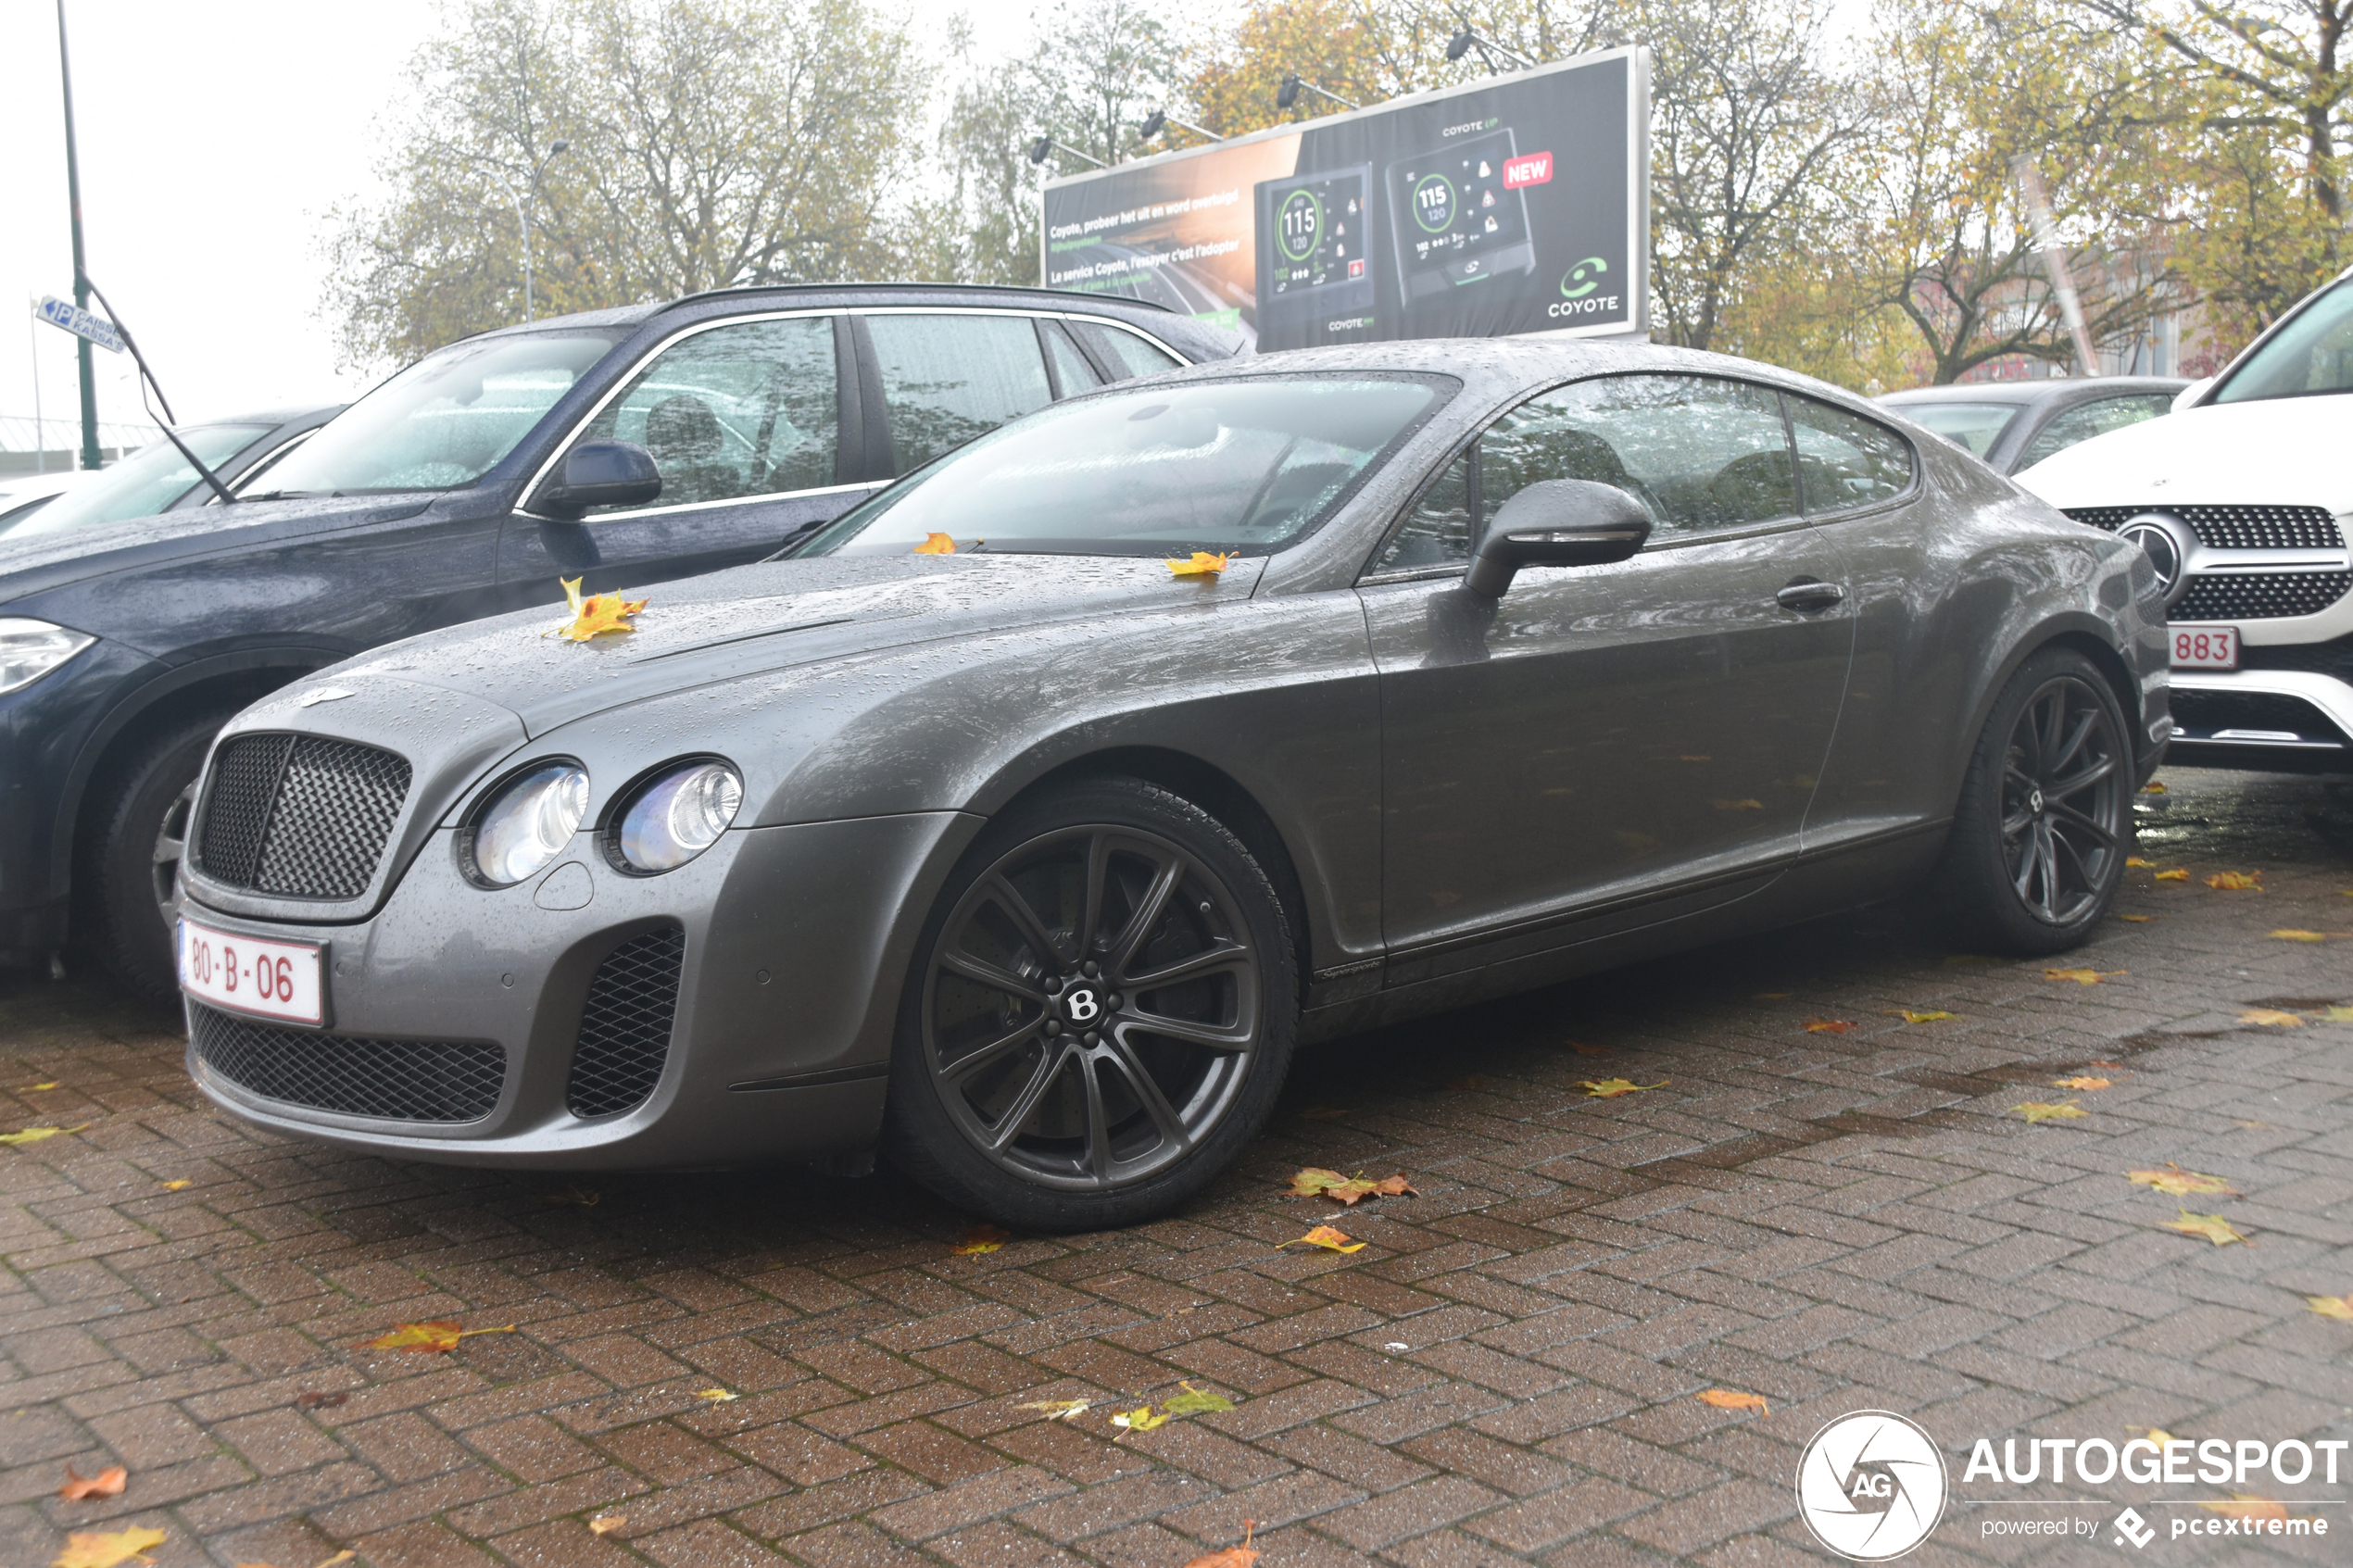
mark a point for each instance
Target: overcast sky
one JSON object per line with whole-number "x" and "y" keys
{"x": 212, "y": 137}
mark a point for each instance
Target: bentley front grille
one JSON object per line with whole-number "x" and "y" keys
{"x": 624, "y": 1030}
{"x": 299, "y": 816}
{"x": 395, "y": 1079}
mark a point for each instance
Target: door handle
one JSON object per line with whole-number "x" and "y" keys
{"x": 1805, "y": 594}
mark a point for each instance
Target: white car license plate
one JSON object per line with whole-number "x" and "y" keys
{"x": 2205, "y": 648}
{"x": 247, "y": 974}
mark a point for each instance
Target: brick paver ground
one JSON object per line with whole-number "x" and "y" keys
{"x": 1507, "y": 1373}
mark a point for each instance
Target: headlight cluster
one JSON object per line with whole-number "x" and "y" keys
{"x": 663, "y": 823}
{"x": 30, "y": 649}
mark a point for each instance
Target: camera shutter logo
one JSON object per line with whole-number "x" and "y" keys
{"x": 1872, "y": 1486}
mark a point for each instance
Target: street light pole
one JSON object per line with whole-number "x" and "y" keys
{"x": 90, "y": 455}
{"x": 522, "y": 213}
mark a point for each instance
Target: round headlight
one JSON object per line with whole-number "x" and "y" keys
{"x": 678, "y": 816}
{"x": 529, "y": 823}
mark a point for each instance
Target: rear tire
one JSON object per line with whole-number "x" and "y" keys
{"x": 130, "y": 867}
{"x": 1100, "y": 1014}
{"x": 2044, "y": 823}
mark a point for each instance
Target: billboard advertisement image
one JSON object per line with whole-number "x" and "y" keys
{"x": 1518, "y": 203}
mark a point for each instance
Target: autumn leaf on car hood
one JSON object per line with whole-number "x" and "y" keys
{"x": 1202, "y": 564}
{"x": 596, "y": 614}
{"x": 935, "y": 545}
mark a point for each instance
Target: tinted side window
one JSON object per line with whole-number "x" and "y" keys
{"x": 1126, "y": 354}
{"x": 748, "y": 410}
{"x": 1697, "y": 452}
{"x": 1846, "y": 460}
{"x": 947, "y": 379}
{"x": 2088, "y": 419}
{"x": 1437, "y": 531}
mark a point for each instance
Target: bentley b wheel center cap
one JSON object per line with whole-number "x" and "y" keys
{"x": 1082, "y": 1005}
{"x": 2034, "y": 801}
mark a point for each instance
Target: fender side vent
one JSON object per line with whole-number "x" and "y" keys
{"x": 624, "y": 1028}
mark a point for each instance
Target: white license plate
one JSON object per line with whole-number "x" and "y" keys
{"x": 247, "y": 974}
{"x": 2205, "y": 647}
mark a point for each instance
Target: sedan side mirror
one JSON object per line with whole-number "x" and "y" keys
{"x": 600, "y": 473}
{"x": 1557, "y": 522}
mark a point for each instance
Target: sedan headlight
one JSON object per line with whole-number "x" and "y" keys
{"x": 30, "y": 649}
{"x": 528, "y": 822}
{"x": 677, "y": 816}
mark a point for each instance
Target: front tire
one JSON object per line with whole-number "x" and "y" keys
{"x": 2043, "y": 825}
{"x": 1099, "y": 1016}
{"x": 129, "y": 876}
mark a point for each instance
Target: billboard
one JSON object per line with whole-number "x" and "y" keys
{"x": 1518, "y": 203}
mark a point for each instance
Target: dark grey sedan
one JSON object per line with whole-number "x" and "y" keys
{"x": 1030, "y": 863}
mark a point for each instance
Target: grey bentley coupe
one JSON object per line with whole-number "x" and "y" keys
{"x": 1019, "y": 823}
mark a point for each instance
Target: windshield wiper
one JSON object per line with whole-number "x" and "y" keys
{"x": 146, "y": 381}
{"x": 287, "y": 495}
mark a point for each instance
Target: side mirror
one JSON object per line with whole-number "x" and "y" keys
{"x": 1557, "y": 522}
{"x": 600, "y": 473}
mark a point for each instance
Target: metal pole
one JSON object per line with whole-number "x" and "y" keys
{"x": 40, "y": 428}
{"x": 90, "y": 455}
{"x": 522, "y": 210}
{"x": 2038, "y": 213}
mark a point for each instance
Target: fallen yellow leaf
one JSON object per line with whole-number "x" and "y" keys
{"x": 34, "y": 1134}
{"x": 2215, "y": 1228}
{"x": 1142, "y": 1420}
{"x": 2178, "y": 874}
{"x": 1232, "y": 1557}
{"x": 2152, "y": 787}
{"x": 2236, "y": 881}
{"x": 1324, "y": 1236}
{"x": 981, "y": 1239}
{"x": 175, "y": 1187}
{"x": 108, "y": 1482}
{"x": 1203, "y": 564}
{"x": 2335, "y": 1014}
{"x": 36, "y": 1088}
{"x": 2241, "y": 1506}
{"x": 2272, "y": 1016}
{"x": 1908, "y": 1016}
{"x": 2289, "y": 934}
{"x": 2084, "y": 976}
{"x": 2174, "y": 1182}
{"x": 1610, "y": 1088}
{"x": 2137, "y": 920}
{"x": 1346, "y": 1189}
{"x": 596, "y": 614}
{"x": 1830, "y": 1026}
{"x": 2036, "y": 1110}
{"x": 1194, "y": 1401}
{"x": 1060, "y": 1409}
{"x": 103, "y": 1550}
{"x": 608, "y": 1524}
{"x": 435, "y": 1338}
{"x": 2081, "y": 1081}
{"x": 1734, "y": 1400}
{"x": 716, "y": 1396}
{"x": 2337, "y": 1307}
{"x": 2156, "y": 1434}
{"x": 2136, "y": 860}
{"x": 935, "y": 545}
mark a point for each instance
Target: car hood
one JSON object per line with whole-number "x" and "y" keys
{"x": 2285, "y": 452}
{"x": 773, "y": 616}
{"x": 39, "y": 562}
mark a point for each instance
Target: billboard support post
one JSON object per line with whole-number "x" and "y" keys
{"x": 1515, "y": 204}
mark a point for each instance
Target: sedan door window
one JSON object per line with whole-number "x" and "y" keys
{"x": 2088, "y": 419}
{"x": 1846, "y": 460}
{"x": 745, "y": 410}
{"x": 947, "y": 379}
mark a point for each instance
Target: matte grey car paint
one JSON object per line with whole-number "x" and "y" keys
{"x": 881, "y": 708}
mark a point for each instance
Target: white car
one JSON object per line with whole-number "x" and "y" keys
{"x": 2243, "y": 499}
{"x": 22, "y": 495}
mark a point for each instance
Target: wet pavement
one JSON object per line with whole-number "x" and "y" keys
{"x": 769, "y": 1366}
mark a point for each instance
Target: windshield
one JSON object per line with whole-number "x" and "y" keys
{"x": 2312, "y": 354}
{"x": 1240, "y": 467}
{"x": 142, "y": 483}
{"x": 444, "y": 421}
{"x": 1974, "y": 425}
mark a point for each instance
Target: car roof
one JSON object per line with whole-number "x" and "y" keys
{"x": 2042, "y": 389}
{"x": 843, "y": 294}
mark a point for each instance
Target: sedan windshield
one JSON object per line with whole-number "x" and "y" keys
{"x": 142, "y": 484}
{"x": 444, "y": 421}
{"x": 1236, "y": 467}
{"x": 1974, "y": 425}
{"x": 2312, "y": 354}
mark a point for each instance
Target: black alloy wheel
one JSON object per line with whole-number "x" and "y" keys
{"x": 2044, "y": 823}
{"x": 133, "y": 837}
{"x": 2063, "y": 799}
{"x": 1101, "y": 1016}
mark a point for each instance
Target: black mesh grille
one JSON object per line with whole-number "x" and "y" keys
{"x": 2333, "y": 657}
{"x": 2235, "y": 528}
{"x": 625, "y": 1032}
{"x": 245, "y": 780}
{"x": 2260, "y": 596}
{"x": 399, "y": 1080}
{"x": 301, "y": 816}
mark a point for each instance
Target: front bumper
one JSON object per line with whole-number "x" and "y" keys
{"x": 797, "y": 941}
{"x": 2264, "y": 720}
